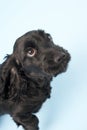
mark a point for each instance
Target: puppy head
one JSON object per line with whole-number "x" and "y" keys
{"x": 36, "y": 48}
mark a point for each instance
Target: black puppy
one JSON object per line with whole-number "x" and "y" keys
{"x": 26, "y": 74}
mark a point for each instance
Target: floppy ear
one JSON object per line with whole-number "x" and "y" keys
{"x": 4, "y": 73}
{"x": 13, "y": 83}
{"x": 8, "y": 75}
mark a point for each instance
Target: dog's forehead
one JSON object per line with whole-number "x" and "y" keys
{"x": 40, "y": 38}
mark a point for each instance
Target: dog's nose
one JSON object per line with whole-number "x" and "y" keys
{"x": 59, "y": 58}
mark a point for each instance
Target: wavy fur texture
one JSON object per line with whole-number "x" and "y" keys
{"x": 26, "y": 74}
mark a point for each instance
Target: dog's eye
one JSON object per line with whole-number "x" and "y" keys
{"x": 31, "y": 52}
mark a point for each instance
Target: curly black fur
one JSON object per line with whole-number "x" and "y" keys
{"x": 26, "y": 74}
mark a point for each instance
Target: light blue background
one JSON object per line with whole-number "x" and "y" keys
{"x": 66, "y": 21}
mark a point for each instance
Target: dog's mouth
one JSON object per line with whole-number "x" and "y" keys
{"x": 58, "y": 68}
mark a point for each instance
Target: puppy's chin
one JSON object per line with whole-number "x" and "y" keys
{"x": 54, "y": 72}
{"x": 60, "y": 70}
{"x": 57, "y": 69}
